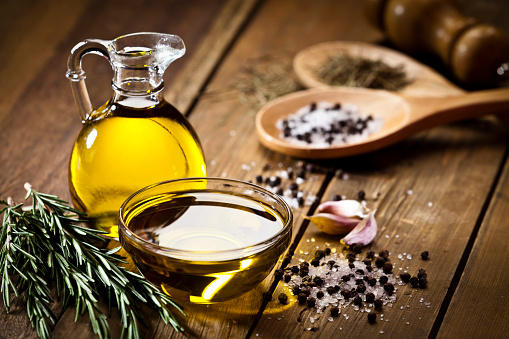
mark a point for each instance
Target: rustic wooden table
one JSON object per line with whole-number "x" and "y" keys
{"x": 445, "y": 190}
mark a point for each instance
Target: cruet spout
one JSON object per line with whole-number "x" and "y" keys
{"x": 138, "y": 61}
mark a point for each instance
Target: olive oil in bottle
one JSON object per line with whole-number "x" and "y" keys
{"x": 137, "y": 138}
{"x": 213, "y": 246}
{"x": 123, "y": 149}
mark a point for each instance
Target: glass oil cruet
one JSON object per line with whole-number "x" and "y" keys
{"x": 136, "y": 138}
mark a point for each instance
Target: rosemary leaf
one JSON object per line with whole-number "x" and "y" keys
{"x": 47, "y": 243}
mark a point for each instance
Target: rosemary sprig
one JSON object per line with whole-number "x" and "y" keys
{"x": 45, "y": 243}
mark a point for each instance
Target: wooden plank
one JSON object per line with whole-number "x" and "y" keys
{"x": 430, "y": 198}
{"x": 479, "y": 305}
{"x": 28, "y": 40}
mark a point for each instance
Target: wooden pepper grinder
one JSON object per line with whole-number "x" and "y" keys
{"x": 477, "y": 54}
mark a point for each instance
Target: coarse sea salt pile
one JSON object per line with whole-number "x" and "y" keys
{"x": 324, "y": 124}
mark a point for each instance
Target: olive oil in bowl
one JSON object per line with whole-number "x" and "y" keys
{"x": 205, "y": 240}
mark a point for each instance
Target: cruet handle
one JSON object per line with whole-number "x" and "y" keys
{"x": 77, "y": 76}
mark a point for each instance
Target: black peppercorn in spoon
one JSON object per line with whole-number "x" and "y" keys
{"x": 402, "y": 116}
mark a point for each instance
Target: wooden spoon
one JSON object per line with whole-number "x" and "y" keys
{"x": 402, "y": 116}
{"x": 425, "y": 82}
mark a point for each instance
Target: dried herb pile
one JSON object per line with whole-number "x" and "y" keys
{"x": 350, "y": 71}
{"x": 44, "y": 247}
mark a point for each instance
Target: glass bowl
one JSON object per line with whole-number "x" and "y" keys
{"x": 205, "y": 240}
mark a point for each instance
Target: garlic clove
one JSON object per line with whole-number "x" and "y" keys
{"x": 333, "y": 224}
{"x": 363, "y": 233}
{"x": 345, "y": 208}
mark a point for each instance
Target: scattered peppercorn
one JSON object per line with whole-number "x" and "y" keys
{"x": 361, "y": 288}
{"x": 361, "y": 195}
{"x": 372, "y": 317}
{"x": 389, "y": 288}
{"x": 331, "y": 290}
{"x": 387, "y": 268}
{"x": 287, "y": 278}
{"x": 379, "y": 262}
{"x": 378, "y": 304}
{"x": 320, "y": 294}
{"x": 425, "y": 255}
{"x": 414, "y": 282}
{"x": 367, "y": 262}
{"x": 357, "y": 301}
{"x": 370, "y": 297}
{"x": 327, "y": 251}
{"x": 405, "y": 277}
{"x": 311, "y": 302}
{"x": 278, "y": 274}
{"x": 336, "y": 197}
{"x": 302, "y": 298}
{"x": 334, "y": 311}
{"x": 423, "y": 282}
{"x": 283, "y": 298}
{"x": 422, "y": 274}
{"x": 315, "y": 262}
{"x": 383, "y": 280}
{"x": 384, "y": 254}
{"x": 372, "y": 282}
{"x": 370, "y": 254}
{"x": 296, "y": 290}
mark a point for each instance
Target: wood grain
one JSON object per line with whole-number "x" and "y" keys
{"x": 479, "y": 305}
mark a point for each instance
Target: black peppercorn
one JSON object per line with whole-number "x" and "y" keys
{"x": 414, "y": 282}
{"x": 259, "y": 179}
{"x": 423, "y": 282}
{"x": 311, "y": 302}
{"x": 345, "y": 278}
{"x": 319, "y": 294}
{"x": 283, "y": 298}
{"x": 405, "y": 277}
{"x": 361, "y": 288}
{"x": 334, "y": 311}
{"x": 361, "y": 195}
{"x": 302, "y": 298}
{"x": 372, "y": 317}
{"x": 331, "y": 290}
{"x": 384, "y": 254}
{"x": 357, "y": 301}
{"x": 306, "y": 291}
{"x": 379, "y": 262}
{"x": 351, "y": 265}
{"x": 278, "y": 274}
{"x": 331, "y": 263}
{"x": 367, "y": 262}
{"x": 359, "y": 281}
{"x": 378, "y": 304}
{"x": 315, "y": 262}
{"x": 318, "y": 281}
{"x": 370, "y": 254}
{"x": 370, "y": 297}
{"x": 369, "y": 268}
{"x": 336, "y": 197}
{"x": 422, "y": 274}
{"x": 383, "y": 280}
{"x": 295, "y": 290}
{"x": 360, "y": 272}
{"x": 372, "y": 282}
{"x": 287, "y": 278}
{"x": 387, "y": 268}
{"x": 327, "y": 251}
{"x": 294, "y": 269}
{"x": 389, "y": 288}
{"x": 425, "y": 255}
